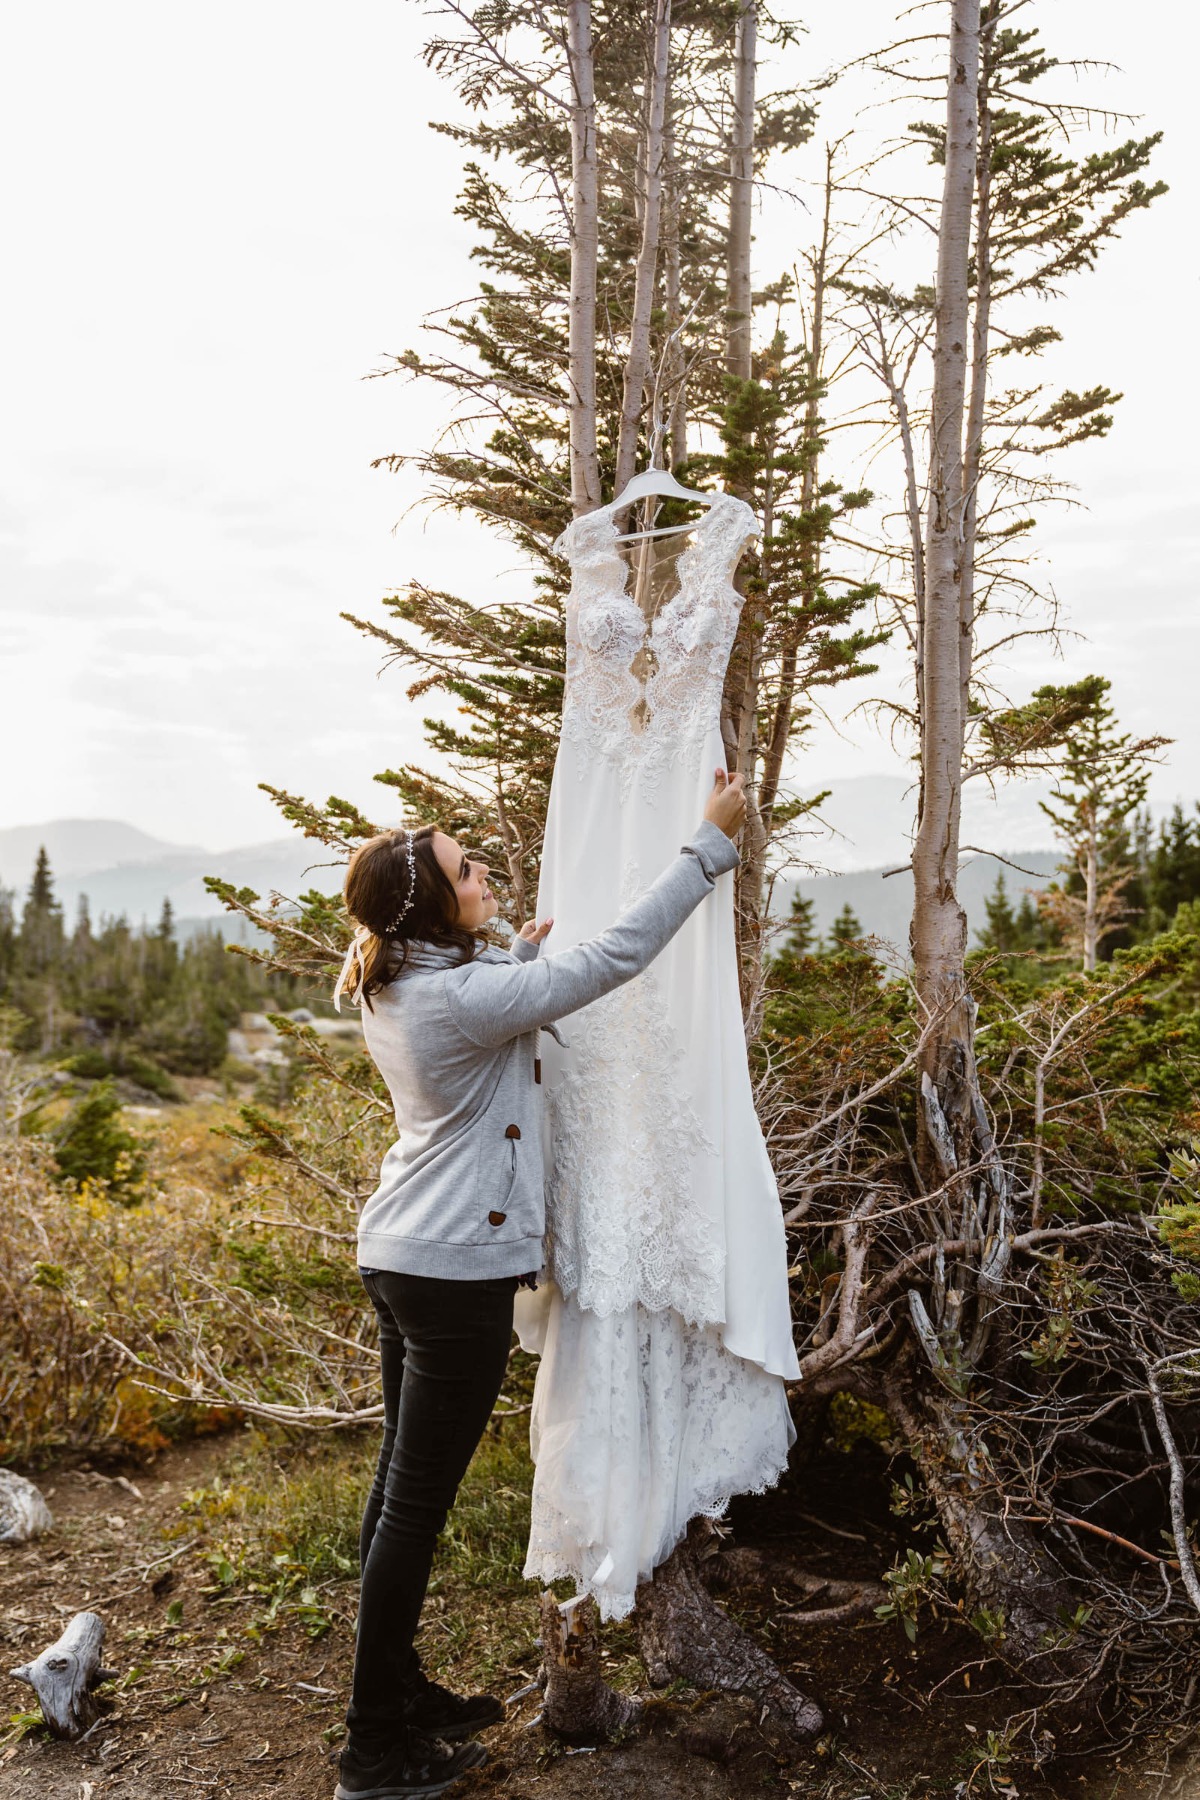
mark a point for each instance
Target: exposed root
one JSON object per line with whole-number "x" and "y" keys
{"x": 682, "y": 1632}
{"x": 843, "y": 1599}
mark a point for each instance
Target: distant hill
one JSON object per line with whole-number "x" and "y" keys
{"x": 884, "y": 907}
{"x": 76, "y": 846}
{"x": 124, "y": 871}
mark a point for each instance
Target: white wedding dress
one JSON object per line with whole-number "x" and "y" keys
{"x": 664, "y": 1326}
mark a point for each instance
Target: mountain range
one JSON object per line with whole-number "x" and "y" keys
{"x": 124, "y": 871}
{"x": 861, "y": 833}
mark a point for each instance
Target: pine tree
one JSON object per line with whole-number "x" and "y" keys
{"x": 1000, "y": 932}
{"x": 93, "y": 1146}
{"x": 1103, "y": 784}
{"x": 845, "y": 931}
{"x": 1016, "y": 215}
{"x": 555, "y": 113}
{"x": 41, "y": 920}
{"x": 801, "y": 939}
{"x": 9, "y": 939}
{"x": 1170, "y": 866}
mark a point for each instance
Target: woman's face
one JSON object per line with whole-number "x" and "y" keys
{"x": 476, "y": 901}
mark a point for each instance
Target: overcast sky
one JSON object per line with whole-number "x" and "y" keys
{"x": 217, "y": 222}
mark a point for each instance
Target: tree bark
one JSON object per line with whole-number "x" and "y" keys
{"x": 776, "y": 748}
{"x": 980, "y": 336}
{"x": 739, "y": 706}
{"x": 637, "y": 363}
{"x": 1006, "y": 1570}
{"x": 682, "y": 1632}
{"x": 676, "y": 362}
{"x": 939, "y": 924}
{"x": 741, "y": 194}
{"x": 1091, "y": 910}
{"x": 586, "y": 492}
{"x": 579, "y": 1704}
{"x": 64, "y": 1676}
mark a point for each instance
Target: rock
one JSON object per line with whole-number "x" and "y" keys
{"x": 23, "y": 1512}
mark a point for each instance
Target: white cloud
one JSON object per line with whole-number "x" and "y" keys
{"x": 224, "y": 221}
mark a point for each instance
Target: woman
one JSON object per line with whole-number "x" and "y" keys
{"x": 457, "y": 1222}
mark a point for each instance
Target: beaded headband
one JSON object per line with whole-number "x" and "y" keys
{"x": 412, "y": 883}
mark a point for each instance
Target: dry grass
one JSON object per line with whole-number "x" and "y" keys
{"x": 82, "y": 1273}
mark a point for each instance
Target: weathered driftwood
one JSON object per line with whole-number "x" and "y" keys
{"x": 23, "y": 1512}
{"x": 683, "y": 1632}
{"x": 579, "y": 1704}
{"x": 64, "y": 1676}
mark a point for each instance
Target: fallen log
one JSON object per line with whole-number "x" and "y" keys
{"x": 65, "y": 1675}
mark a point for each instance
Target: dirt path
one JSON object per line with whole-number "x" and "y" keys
{"x": 217, "y": 1696}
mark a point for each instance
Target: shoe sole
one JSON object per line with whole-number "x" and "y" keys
{"x": 392, "y": 1790}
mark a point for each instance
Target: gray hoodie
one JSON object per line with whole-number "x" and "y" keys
{"x": 460, "y": 1194}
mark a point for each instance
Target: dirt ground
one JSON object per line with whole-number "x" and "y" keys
{"x": 214, "y": 1696}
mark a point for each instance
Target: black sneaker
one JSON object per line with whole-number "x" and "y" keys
{"x": 418, "y": 1765}
{"x": 442, "y": 1714}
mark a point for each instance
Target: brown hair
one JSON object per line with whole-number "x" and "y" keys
{"x": 377, "y": 886}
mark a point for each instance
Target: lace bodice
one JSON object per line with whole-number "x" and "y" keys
{"x": 642, "y": 690}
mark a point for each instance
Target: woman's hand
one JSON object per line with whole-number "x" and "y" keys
{"x": 535, "y": 934}
{"x": 726, "y": 805}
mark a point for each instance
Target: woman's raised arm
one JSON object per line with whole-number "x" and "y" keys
{"x": 493, "y": 1002}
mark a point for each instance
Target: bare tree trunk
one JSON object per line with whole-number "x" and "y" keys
{"x": 1017, "y": 1597}
{"x": 675, "y": 370}
{"x": 741, "y": 194}
{"x": 981, "y": 328}
{"x": 579, "y": 1705}
{"x": 739, "y": 704}
{"x": 1091, "y": 911}
{"x": 637, "y": 363}
{"x": 514, "y": 850}
{"x": 939, "y": 925}
{"x": 581, "y": 330}
{"x": 1010, "y": 1577}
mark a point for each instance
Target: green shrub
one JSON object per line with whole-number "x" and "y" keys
{"x": 93, "y": 1146}
{"x": 96, "y": 1065}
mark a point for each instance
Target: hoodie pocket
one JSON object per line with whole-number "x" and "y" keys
{"x": 506, "y": 1179}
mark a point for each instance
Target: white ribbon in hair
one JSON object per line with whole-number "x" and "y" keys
{"x": 354, "y": 958}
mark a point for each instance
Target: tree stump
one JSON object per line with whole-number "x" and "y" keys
{"x": 64, "y": 1676}
{"x": 579, "y": 1705}
{"x": 23, "y": 1512}
{"x": 683, "y": 1632}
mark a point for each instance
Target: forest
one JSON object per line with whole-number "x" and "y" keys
{"x": 987, "y": 1147}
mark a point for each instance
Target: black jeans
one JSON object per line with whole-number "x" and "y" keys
{"x": 444, "y": 1347}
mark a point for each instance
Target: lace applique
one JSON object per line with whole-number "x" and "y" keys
{"x": 679, "y": 658}
{"x": 622, "y": 1225}
{"x": 689, "y": 1424}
